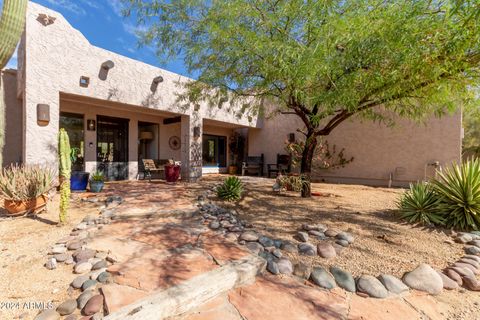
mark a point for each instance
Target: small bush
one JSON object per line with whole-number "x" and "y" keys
{"x": 231, "y": 189}
{"x": 293, "y": 182}
{"x": 98, "y": 176}
{"x": 20, "y": 182}
{"x": 458, "y": 189}
{"x": 420, "y": 205}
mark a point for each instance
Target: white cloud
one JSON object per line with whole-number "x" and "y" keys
{"x": 132, "y": 29}
{"x": 117, "y": 7}
{"x": 67, "y": 5}
{"x": 91, "y": 4}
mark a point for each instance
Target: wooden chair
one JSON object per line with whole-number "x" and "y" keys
{"x": 150, "y": 168}
{"x": 253, "y": 164}
{"x": 283, "y": 165}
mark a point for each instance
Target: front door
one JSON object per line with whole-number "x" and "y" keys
{"x": 214, "y": 151}
{"x": 112, "y": 147}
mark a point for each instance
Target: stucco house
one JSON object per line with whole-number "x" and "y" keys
{"x": 118, "y": 110}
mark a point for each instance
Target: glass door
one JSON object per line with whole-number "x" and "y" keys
{"x": 73, "y": 124}
{"x": 214, "y": 151}
{"x": 112, "y": 147}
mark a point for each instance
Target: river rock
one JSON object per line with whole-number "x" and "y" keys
{"x": 84, "y": 297}
{"x": 51, "y": 264}
{"x": 94, "y": 305}
{"x": 67, "y": 307}
{"x": 326, "y": 250}
{"x": 89, "y": 284}
{"x": 331, "y": 233}
{"x": 249, "y": 236}
{"x": 472, "y": 262}
{"x": 307, "y": 249}
{"x": 266, "y": 241}
{"x": 345, "y": 236}
{"x": 254, "y": 247}
{"x": 273, "y": 267}
{"x": 214, "y": 225}
{"x": 463, "y": 272}
{"x": 82, "y": 267}
{"x": 472, "y": 250}
{"x": 471, "y": 283}
{"x": 285, "y": 266}
{"x": 343, "y": 278}
{"x": 393, "y": 284}
{"x": 62, "y": 257}
{"x": 47, "y": 314}
{"x": 475, "y": 243}
{"x": 302, "y": 236}
{"x": 78, "y": 281}
{"x": 448, "y": 283}
{"x": 463, "y": 238}
{"x": 75, "y": 245}
{"x": 302, "y": 270}
{"x": 289, "y": 247}
{"x": 84, "y": 255}
{"x": 472, "y": 257}
{"x": 314, "y": 227}
{"x": 371, "y": 286}
{"x": 424, "y": 278}
{"x": 58, "y": 249}
{"x": 343, "y": 243}
{"x": 466, "y": 266}
{"x": 454, "y": 276}
{"x": 322, "y": 278}
{"x": 99, "y": 265}
{"x": 105, "y": 277}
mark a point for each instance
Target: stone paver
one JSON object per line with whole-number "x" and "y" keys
{"x": 117, "y": 296}
{"x": 217, "y": 309}
{"x": 375, "y": 309}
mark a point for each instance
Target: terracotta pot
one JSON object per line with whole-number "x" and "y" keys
{"x": 20, "y": 207}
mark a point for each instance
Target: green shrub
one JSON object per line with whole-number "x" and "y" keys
{"x": 97, "y": 176}
{"x": 458, "y": 189}
{"x": 231, "y": 189}
{"x": 420, "y": 205}
{"x": 293, "y": 182}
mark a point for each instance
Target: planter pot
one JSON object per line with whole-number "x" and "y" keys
{"x": 172, "y": 173}
{"x": 20, "y": 207}
{"x": 232, "y": 170}
{"x": 96, "y": 186}
{"x": 79, "y": 181}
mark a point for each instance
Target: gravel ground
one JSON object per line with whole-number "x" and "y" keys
{"x": 24, "y": 244}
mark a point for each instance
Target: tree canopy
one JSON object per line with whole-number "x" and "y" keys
{"x": 326, "y": 60}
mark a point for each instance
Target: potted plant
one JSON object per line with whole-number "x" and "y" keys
{"x": 97, "y": 181}
{"x": 78, "y": 177}
{"x": 236, "y": 146}
{"x": 172, "y": 171}
{"x": 25, "y": 188}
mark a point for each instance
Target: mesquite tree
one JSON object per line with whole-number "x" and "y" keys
{"x": 324, "y": 61}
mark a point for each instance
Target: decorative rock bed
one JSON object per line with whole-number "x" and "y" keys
{"x": 90, "y": 265}
{"x": 332, "y": 243}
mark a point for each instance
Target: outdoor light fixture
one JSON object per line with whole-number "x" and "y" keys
{"x": 91, "y": 125}
{"x": 84, "y": 81}
{"x": 43, "y": 114}
{"x": 291, "y": 137}
{"x": 107, "y": 65}
{"x": 196, "y": 132}
{"x": 196, "y": 107}
{"x": 155, "y": 83}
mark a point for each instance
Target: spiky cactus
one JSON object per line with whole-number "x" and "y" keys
{"x": 231, "y": 189}
{"x": 11, "y": 27}
{"x": 65, "y": 165}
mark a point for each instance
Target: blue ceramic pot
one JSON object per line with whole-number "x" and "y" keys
{"x": 96, "y": 186}
{"x": 79, "y": 180}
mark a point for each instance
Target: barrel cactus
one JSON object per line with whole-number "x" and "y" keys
{"x": 65, "y": 165}
{"x": 12, "y": 23}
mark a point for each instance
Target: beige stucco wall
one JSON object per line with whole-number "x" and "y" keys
{"x": 12, "y": 150}
{"x": 403, "y": 150}
{"x": 166, "y": 132}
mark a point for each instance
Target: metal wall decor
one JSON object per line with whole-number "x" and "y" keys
{"x": 174, "y": 142}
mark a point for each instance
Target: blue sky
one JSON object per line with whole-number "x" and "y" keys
{"x": 101, "y": 22}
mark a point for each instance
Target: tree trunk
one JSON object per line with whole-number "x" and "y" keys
{"x": 306, "y": 165}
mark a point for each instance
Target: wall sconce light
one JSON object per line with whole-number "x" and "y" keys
{"x": 43, "y": 114}
{"x": 291, "y": 137}
{"x": 90, "y": 144}
{"x": 196, "y": 132}
{"x": 155, "y": 83}
{"x": 91, "y": 125}
{"x": 107, "y": 65}
{"x": 196, "y": 107}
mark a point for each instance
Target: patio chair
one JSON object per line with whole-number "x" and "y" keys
{"x": 150, "y": 168}
{"x": 282, "y": 166}
{"x": 253, "y": 164}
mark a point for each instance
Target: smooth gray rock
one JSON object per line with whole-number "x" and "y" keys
{"x": 289, "y": 247}
{"x": 452, "y": 274}
{"x": 62, "y": 257}
{"x": 67, "y": 307}
{"x": 302, "y": 270}
{"x": 48, "y": 314}
{"x": 463, "y": 272}
{"x": 277, "y": 253}
{"x": 322, "y": 278}
{"x": 285, "y": 266}
{"x": 463, "y": 238}
{"x": 214, "y": 225}
{"x": 51, "y": 264}
{"x": 105, "y": 277}
{"x": 343, "y": 278}
{"x": 371, "y": 286}
{"x": 89, "y": 284}
{"x": 448, "y": 283}
{"x": 84, "y": 255}
{"x": 307, "y": 249}
{"x": 278, "y": 243}
{"x": 471, "y": 262}
{"x": 343, "y": 243}
{"x": 84, "y": 297}
{"x": 266, "y": 241}
{"x": 345, "y": 236}
{"x": 273, "y": 267}
{"x": 99, "y": 265}
{"x": 314, "y": 227}
{"x": 58, "y": 249}
{"x": 472, "y": 257}
{"x": 475, "y": 243}
{"x": 75, "y": 245}
{"x": 424, "y": 278}
{"x": 302, "y": 236}
{"x": 254, "y": 247}
{"x": 331, "y": 233}
{"x": 393, "y": 284}
{"x": 472, "y": 250}
{"x": 78, "y": 281}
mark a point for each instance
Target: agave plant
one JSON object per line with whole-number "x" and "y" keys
{"x": 419, "y": 204}
{"x": 231, "y": 189}
{"x": 20, "y": 182}
{"x": 458, "y": 188}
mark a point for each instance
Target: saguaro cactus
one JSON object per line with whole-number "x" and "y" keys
{"x": 65, "y": 166}
{"x": 12, "y": 23}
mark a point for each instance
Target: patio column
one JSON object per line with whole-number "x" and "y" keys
{"x": 191, "y": 148}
